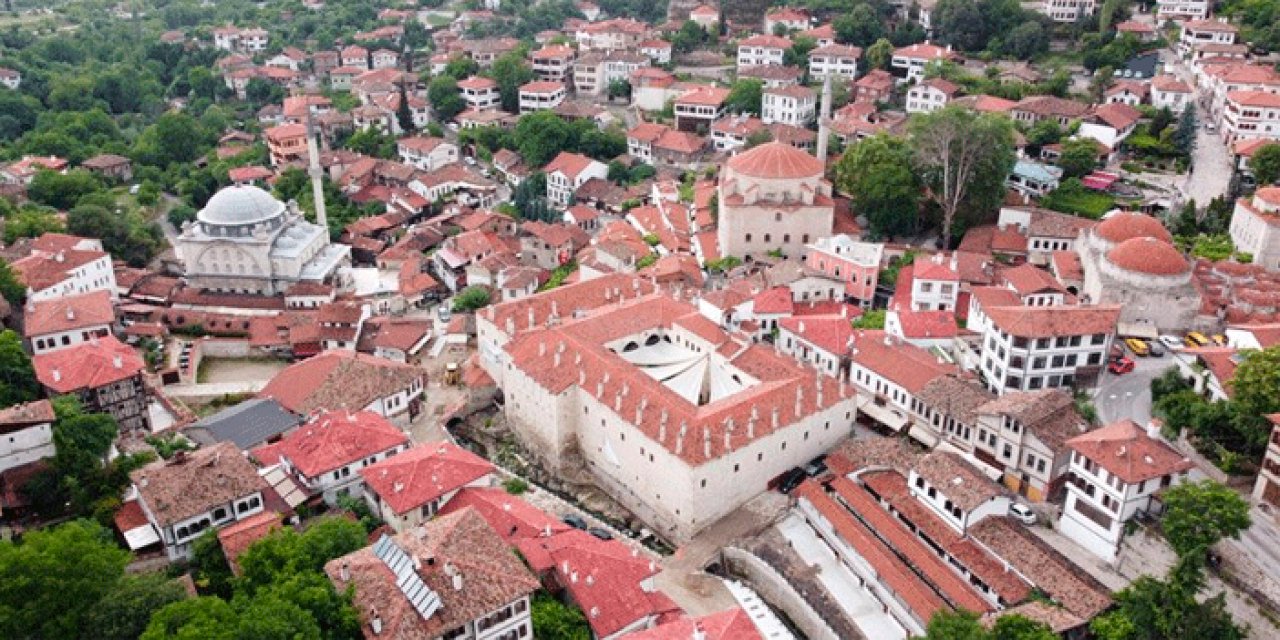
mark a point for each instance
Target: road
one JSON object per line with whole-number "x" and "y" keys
{"x": 1210, "y": 168}
{"x": 1129, "y": 395}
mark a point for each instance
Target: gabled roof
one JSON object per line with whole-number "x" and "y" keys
{"x": 89, "y": 365}
{"x": 903, "y": 364}
{"x": 1126, "y": 451}
{"x": 331, "y": 440}
{"x": 766, "y": 40}
{"x": 570, "y": 164}
{"x": 336, "y": 379}
{"x": 68, "y": 313}
{"x": 510, "y": 516}
{"x": 1054, "y": 321}
{"x": 193, "y": 483}
{"x": 423, "y": 474}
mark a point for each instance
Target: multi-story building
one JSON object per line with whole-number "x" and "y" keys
{"x": 342, "y": 378}
{"x": 761, "y": 50}
{"x": 1043, "y": 347}
{"x": 935, "y": 283}
{"x": 1201, "y": 32}
{"x": 1251, "y": 114}
{"x": 26, "y": 434}
{"x": 427, "y": 154}
{"x": 930, "y": 95}
{"x": 835, "y": 60}
{"x": 699, "y": 108}
{"x": 619, "y": 34}
{"x": 1115, "y": 471}
{"x": 1067, "y": 10}
{"x": 411, "y": 488}
{"x": 254, "y": 40}
{"x": 327, "y": 453}
{"x": 773, "y": 197}
{"x": 679, "y": 449}
{"x": 451, "y": 577}
{"x": 1168, "y": 92}
{"x": 384, "y": 59}
{"x": 1255, "y": 227}
{"x": 62, "y": 265}
{"x": 792, "y": 105}
{"x": 355, "y": 57}
{"x": 1023, "y": 435}
{"x": 640, "y": 139}
{"x": 58, "y": 323}
{"x": 658, "y": 51}
{"x": 209, "y": 488}
{"x": 568, "y": 171}
{"x": 540, "y": 95}
{"x": 286, "y": 144}
{"x": 789, "y": 18}
{"x": 1182, "y": 10}
{"x": 554, "y": 63}
{"x": 10, "y": 78}
{"x": 909, "y": 62}
{"x": 481, "y": 94}
{"x": 855, "y": 263}
{"x": 594, "y": 72}
{"x": 104, "y": 373}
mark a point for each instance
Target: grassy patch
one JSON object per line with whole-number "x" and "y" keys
{"x": 1073, "y": 197}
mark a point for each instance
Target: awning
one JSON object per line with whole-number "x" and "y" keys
{"x": 883, "y": 414}
{"x": 289, "y": 491}
{"x": 141, "y": 537}
{"x": 923, "y": 435}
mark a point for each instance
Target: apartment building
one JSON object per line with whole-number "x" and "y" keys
{"x": 793, "y": 105}
{"x": 1028, "y": 348}
{"x": 835, "y": 60}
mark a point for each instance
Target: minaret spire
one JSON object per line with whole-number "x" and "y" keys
{"x": 824, "y": 119}
{"x": 317, "y": 187}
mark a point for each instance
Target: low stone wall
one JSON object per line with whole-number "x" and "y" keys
{"x": 225, "y": 348}
{"x": 1239, "y": 571}
{"x": 779, "y": 593}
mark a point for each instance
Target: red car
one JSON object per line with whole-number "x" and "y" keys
{"x": 1120, "y": 366}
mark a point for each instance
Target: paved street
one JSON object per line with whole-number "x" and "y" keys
{"x": 1210, "y": 168}
{"x": 1129, "y": 395}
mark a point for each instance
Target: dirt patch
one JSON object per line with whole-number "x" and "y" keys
{"x": 239, "y": 369}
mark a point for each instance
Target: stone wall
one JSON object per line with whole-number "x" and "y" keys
{"x": 779, "y": 593}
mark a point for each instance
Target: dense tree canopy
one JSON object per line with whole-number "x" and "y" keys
{"x": 963, "y": 158}
{"x": 17, "y": 378}
{"x": 878, "y": 176}
{"x": 1198, "y": 514}
{"x": 1265, "y": 164}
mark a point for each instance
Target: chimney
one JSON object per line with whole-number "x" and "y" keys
{"x": 71, "y": 313}
{"x": 728, "y": 434}
{"x": 457, "y": 581}
{"x": 375, "y": 621}
{"x": 397, "y": 487}
{"x": 57, "y": 375}
{"x": 706, "y": 442}
{"x": 345, "y": 571}
{"x": 684, "y": 427}
{"x": 775, "y": 417}
{"x": 531, "y": 317}
{"x": 698, "y": 633}
{"x": 542, "y": 349}
{"x": 1154, "y": 427}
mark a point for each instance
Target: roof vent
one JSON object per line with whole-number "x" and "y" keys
{"x": 71, "y": 313}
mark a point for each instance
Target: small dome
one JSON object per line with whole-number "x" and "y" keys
{"x": 240, "y": 204}
{"x": 776, "y": 160}
{"x": 1123, "y": 226}
{"x": 1149, "y": 256}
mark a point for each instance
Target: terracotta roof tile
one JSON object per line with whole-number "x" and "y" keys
{"x": 90, "y": 365}
{"x": 68, "y": 313}
{"x": 336, "y": 379}
{"x": 196, "y": 482}
{"x": 331, "y": 440}
{"x": 409, "y": 480}
{"x": 1125, "y": 450}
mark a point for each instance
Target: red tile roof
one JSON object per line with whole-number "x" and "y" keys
{"x": 93, "y": 364}
{"x": 766, "y": 40}
{"x": 467, "y": 565}
{"x": 776, "y": 300}
{"x": 333, "y": 439}
{"x": 570, "y": 164}
{"x": 1149, "y": 256}
{"x": 906, "y": 365}
{"x": 831, "y": 334}
{"x": 237, "y": 537}
{"x": 338, "y": 378}
{"x": 1126, "y": 451}
{"x": 1054, "y": 321}
{"x": 1124, "y": 225}
{"x": 776, "y": 160}
{"x": 40, "y": 271}
{"x": 68, "y": 313}
{"x": 734, "y": 624}
{"x": 610, "y": 582}
{"x": 510, "y": 516}
{"x": 408, "y": 480}
{"x": 1027, "y": 279}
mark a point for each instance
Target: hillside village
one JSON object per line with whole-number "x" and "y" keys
{"x": 502, "y": 319}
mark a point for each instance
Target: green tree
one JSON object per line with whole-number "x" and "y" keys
{"x": 173, "y": 138}
{"x": 50, "y": 583}
{"x": 555, "y": 620}
{"x": 62, "y": 190}
{"x": 963, "y": 158}
{"x": 371, "y": 141}
{"x": 1079, "y": 157}
{"x": 798, "y": 54}
{"x": 745, "y": 96}
{"x": 510, "y": 71}
{"x": 471, "y": 298}
{"x": 1199, "y": 514}
{"x": 873, "y": 319}
{"x": 17, "y": 378}
{"x": 204, "y": 618}
{"x": 1019, "y": 627}
{"x": 31, "y": 221}
{"x": 444, "y": 97}
{"x": 123, "y": 613}
{"x": 13, "y": 291}
{"x": 1153, "y": 609}
{"x": 461, "y": 67}
{"x": 1265, "y": 164}
{"x": 619, "y": 89}
{"x": 879, "y": 54}
{"x": 956, "y": 625}
{"x": 1254, "y": 394}
{"x": 1026, "y": 40}
{"x": 541, "y": 136}
{"x": 209, "y": 567}
{"x": 860, "y": 27}
{"x": 285, "y": 552}
{"x": 877, "y": 174}
{"x": 1184, "y": 137}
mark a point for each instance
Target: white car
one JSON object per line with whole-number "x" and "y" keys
{"x": 1171, "y": 342}
{"x": 1022, "y": 513}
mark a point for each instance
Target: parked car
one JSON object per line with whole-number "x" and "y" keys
{"x": 574, "y": 520}
{"x": 444, "y": 313}
{"x": 1219, "y": 340}
{"x": 1138, "y": 346}
{"x": 1157, "y": 349}
{"x": 600, "y": 533}
{"x": 1120, "y": 366}
{"x": 1196, "y": 339}
{"x": 816, "y": 467}
{"x": 1022, "y": 513}
{"x": 1172, "y": 342}
{"x": 791, "y": 480}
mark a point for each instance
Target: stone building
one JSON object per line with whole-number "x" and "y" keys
{"x": 1129, "y": 259}
{"x": 246, "y": 241}
{"x": 773, "y": 197}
